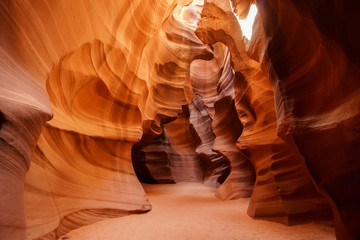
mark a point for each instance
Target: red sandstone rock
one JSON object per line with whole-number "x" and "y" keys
{"x": 227, "y": 128}
{"x": 313, "y": 50}
{"x": 24, "y": 109}
{"x": 151, "y": 159}
{"x": 117, "y": 72}
{"x": 205, "y": 76}
{"x": 104, "y": 83}
{"x": 282, "y": 192}
{"x": 219, "y": 127}
{"x": 186, "y": 164}
{"x": 216, "y": 165}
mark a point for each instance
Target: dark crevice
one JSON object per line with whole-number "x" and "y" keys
{"x": 2, "y": 119}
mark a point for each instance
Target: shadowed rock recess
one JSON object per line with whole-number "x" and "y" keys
{"x": 99, "y": 96}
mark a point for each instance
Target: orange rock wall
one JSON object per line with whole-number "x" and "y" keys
{"x": 105, "y": 81}
{"x": 282, "y": 191}
{"x": 95, "y": 95}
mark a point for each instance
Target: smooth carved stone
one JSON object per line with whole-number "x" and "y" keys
{"x": 169, "y": 89}
{"x": 24, "y": 109}
{"x": 227, "y": 129}
{"x": 86, "y": 94}
{"x": 89, "y": 179}
{"x": 131, "y": 82}
{"x": 100, "y": 72}
{"x": 85, "y": 150}
{"x": 169, "y": 157}
{"x": 166, "y": 73}
{"x": 313, "y": 49}
{"x": 209, "y": 78}
{"x": 217, "y": 166}
{"x": 151, "y": 159}
{"x": 279, "y": 174}
{"x": 212, "y": 82}
{"x": 186, "y": 164}
{"x": 205, "y": 76}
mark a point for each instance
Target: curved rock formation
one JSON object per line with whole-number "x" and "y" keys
{"x": 151, "y": 159}
{"x": 185, "y": 163}
{"x": 213, "y": 86}
{"x": 157, "y": 87}
{"x": 314, "y": 50}
{"x": 302, "y": 44}
{"x": 216, "y": 166}
{"x": 204, "y": 77}
{"x": 24, "y": 109}
{"x": 105, "y": 84}
{"x": 169, "y": 157}
{"x": 227, "y": 128}
{"x": 85, "y": 179}
{"x": 282, "y": 192}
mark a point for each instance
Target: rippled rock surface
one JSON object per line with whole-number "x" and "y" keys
{"x": 97, "y": 95}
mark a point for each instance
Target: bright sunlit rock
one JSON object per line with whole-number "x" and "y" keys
{"x": 246, "y": 24}
{"x": 191, "y": 13}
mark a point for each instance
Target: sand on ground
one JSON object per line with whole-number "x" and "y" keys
{"x": 191, "y": 211}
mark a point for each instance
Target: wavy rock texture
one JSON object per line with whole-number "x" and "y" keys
{"x": 170, "y": 90}
{"x": 105, "y": 83}
{"x": 187, "y": 142}
{"x": 170, "y": 157}
{"x": 185, "y": 163}
{"x": 216, "y": 165}
{"x": 204, "y": 77}
{"x": 227, "y": 128}
{"x": 314, "y": 50}
{"x": 24, "y": 109}
{"x": 130, "y": 83}
{"x": 213, "y": 86}
{"x": 282, "y": 192}
{"x": 185, "y": 151}
{"x": 151, "y": 159}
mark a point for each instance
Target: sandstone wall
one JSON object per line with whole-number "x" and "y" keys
{"x": 97, "y": 95}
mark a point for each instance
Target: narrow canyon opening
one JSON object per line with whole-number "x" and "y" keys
{"x": 179, "y": 119}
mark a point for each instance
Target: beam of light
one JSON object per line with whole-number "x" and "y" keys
{"x": 191, "y": 12}
{"x": 247, "y": 23}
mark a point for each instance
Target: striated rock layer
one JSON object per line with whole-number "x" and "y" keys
{"x": 213, "y": 115}
{"x": 313, "y": 50}
{"x": 312, "y": 60}
{"x": 157, "y": 92}
{"x": 106, "y": 86}
{"x": 184, "y": 149}
{"x": 24, "y": 109}
{"x": 282, "y": 192}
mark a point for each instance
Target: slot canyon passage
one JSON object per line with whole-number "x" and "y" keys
{"x": 167, "y": 119}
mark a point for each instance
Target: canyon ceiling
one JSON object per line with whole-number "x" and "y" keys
{"x": 96, "y": 96}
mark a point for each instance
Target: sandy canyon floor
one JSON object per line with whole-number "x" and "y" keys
{"x": 191, "y": 211}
